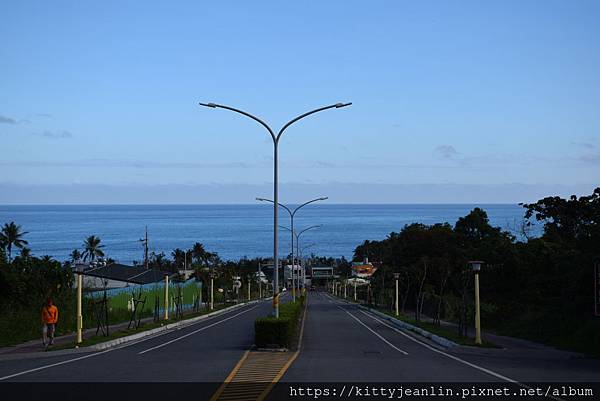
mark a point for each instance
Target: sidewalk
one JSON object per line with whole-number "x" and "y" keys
{"x": 36, "y": 345}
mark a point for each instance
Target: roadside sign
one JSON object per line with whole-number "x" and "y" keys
{"x": 597, "y": 288}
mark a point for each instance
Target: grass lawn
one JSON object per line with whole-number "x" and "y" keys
{"x": 126, "y": 332}
{"x": 444, "y": 332}
{"x": 439, "y": 331}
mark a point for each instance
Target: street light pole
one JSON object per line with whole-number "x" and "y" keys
{"x": 212, "y": 294}
{"x": 397, "y": 276}
{"x": 275, "y": 179}
{"x": 297, "y": 235}
{"x": 292, "y": 213}
{"x": 476, "y": 266}
{"x": 79, "y": 313}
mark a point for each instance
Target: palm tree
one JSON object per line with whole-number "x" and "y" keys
{"x": 25, "y": 253}
{"x": 92, "y": 248}
{"x": 158, "y": 260}
{"x": 178, "y": 257}
{"x": 199, "y": 253}
{"x": 11, "y": 236}
{"x": 75, "y": 255}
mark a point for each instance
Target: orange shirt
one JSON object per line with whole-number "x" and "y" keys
{"x": 50, "y": 314}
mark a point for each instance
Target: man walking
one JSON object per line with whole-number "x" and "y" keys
{"x": 49, "y": 319}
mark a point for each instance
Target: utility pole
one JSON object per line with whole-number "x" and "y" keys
{"x": 145, "y": 242}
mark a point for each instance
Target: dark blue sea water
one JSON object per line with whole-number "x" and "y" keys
{"x": 233, "y": 231}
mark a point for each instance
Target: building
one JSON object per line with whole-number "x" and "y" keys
{"x": 319, "y": 275}
{"x": 287, "y": 273}
{"x": 115, "y": 275}
{"x": 363, "y": 269}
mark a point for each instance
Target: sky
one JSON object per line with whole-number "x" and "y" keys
{"x": 453, "y": 102}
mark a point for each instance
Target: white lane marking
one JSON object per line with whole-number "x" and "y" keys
{"x": 98, "y": 353}
{"x": 497, "y": 375}
{"x": 196, "y": 331}
{"x": 374, "y": 332}
{"x": 53, "y": 364}
{"x": 457, "y": 359}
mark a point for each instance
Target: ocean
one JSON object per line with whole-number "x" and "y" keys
{"x": 233, "y": 231}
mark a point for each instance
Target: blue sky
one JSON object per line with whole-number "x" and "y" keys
{"x": 495, "y": 101}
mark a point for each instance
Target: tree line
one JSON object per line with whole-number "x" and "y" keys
{"x": 541, "y": 288}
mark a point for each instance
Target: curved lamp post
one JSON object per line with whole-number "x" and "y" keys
{"x": 275, "y": 138}
{"x": 292, "y": 214}
{"x": 297, "y": 235}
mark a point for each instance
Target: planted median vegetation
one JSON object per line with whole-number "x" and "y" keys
{"x": 271, "y": 332}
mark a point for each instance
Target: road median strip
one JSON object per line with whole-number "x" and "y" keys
{"x": 257, "y": 372}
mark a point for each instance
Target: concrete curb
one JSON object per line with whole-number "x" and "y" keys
{"x": 444, "y": 342}
{"x": 168, "y": 327}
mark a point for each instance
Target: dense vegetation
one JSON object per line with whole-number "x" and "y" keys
{"x": 537, "y": 288}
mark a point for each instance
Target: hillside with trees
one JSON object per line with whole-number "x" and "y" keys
{"x": 535, "y": 288}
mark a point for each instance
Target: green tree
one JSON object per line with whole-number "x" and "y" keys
{"x": 573, "y": 222}
{"x": 11, "y": 235}
{"x": 178, "y": 256}
{"x": 92, "y": 247}
{"x": 200, "y": 254}
{"x": 25, "y": 253}
{"x": 75, "y": 255}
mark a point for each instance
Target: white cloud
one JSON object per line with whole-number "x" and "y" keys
{"x": 446, "y": 151}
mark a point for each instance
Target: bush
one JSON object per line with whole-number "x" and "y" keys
{"x": 272, "y": 332}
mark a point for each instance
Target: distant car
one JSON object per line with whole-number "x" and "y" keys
{"x": 312, "y": 288}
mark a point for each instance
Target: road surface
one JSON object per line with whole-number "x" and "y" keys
{"x": 341, "y": 343}
{"x": 345, "y": 343}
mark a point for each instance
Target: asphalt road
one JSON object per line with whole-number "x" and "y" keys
{"x": 344, "y": 343}
{"x": 203, "y": 352}
{"x": 341, "y": 343}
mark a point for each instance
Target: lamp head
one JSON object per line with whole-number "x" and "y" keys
{"x": 211, "y": 105}
{"x": 476, "y": 265}
{"x": 339, "y": 105}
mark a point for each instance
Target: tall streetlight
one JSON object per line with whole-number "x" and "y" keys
{"x": 275, "y": 138}
{"x": 297, "y": 235}
{"x": 476, "y": 267}
{"x": 292, "y": 214}
{"x": 300, "y": 258}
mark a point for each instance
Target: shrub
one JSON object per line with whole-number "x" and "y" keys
{"x": 272, "y": 332}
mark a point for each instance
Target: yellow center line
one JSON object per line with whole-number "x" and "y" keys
{"x": 257, "y": 372}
